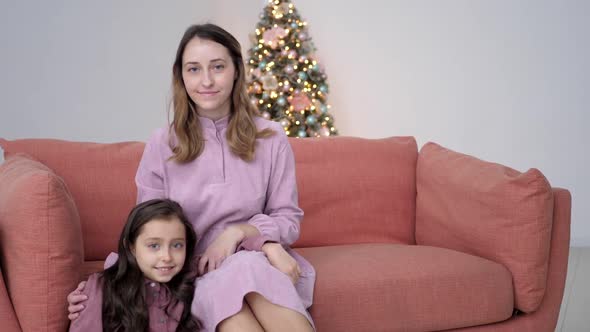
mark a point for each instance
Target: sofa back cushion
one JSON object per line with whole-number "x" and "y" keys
{"x": 487, "y": 210}
{"x": 352, "y": 190}
{"x": 100, "y": 178}
{"x": 356, "y": 190}
{"x": 40, "y": 244}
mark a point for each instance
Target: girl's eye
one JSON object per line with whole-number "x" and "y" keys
{"x": 178, "y": 245}
{"x": 153, "y": 246}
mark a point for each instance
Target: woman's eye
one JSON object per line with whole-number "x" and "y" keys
{"x": 193, "y": 69}
{"x": 219, "y": 67}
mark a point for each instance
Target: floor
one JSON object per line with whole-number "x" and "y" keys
{"x": 575, "y": 307}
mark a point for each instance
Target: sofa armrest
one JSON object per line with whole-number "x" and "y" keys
{"x": 7, "y": 315}
{"x": 487, "y": 210}
{"x": 546, "y": 316}
{"x": 558, "y": 261}
{"x": 40, "y": 243}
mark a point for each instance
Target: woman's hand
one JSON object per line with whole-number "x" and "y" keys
{"x": 281, "y": 260}
{"x": 224, "y": 246}
{"x": 75, "y": 300}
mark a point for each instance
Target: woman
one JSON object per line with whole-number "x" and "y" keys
{"x": 233, "y": 173}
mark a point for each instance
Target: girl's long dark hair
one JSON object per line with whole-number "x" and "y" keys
{"x": 124, "y": 307}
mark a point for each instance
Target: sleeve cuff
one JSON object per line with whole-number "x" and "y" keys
{"x": 254, "y": 243}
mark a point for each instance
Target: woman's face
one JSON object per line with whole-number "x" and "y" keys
{"x": 208, "y": 74}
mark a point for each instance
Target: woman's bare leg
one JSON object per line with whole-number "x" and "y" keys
{"x": 243, "y": 321}
{"x": 273, "y": 317}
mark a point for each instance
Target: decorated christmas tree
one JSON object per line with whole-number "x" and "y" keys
{"x": 286, "y": 83}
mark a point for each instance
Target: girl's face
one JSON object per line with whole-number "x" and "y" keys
{"x": 160, "y": 249}
{"x": 208, "y": 74}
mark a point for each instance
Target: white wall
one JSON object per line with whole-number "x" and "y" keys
{"x": 501, "y": 80}
{"x": 96, "y": 71}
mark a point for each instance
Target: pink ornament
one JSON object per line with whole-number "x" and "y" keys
{"x": 325, "y": 131}
{"x": 302, "y": 36}
{"x": 266, "y": 115}
{"x": 293, "y": 54}
{"x": 286, "y": 87}
{"x": 289, "y": 69}
{"x": 299, "y": 101}
{"x": 302, "y": 58}
{"x": 256, "y": 72}
{"x": 271, "y": 37}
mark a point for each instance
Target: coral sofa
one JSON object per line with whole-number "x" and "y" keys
{"x": 401, "y": 240}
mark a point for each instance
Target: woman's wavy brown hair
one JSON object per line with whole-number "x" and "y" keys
{"x": 241, "y": 132}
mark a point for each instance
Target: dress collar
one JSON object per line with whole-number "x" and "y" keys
{"x": 217, "y": 125}
{"x": 150, "y": 284}
{"x": 156, "y": 293}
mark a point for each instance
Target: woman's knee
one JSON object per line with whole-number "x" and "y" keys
{"x": 243, "y": 320}
{"x": 273, "y": 317}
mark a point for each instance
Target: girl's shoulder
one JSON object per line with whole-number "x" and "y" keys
{"x": 90, "y": 318}
{"x": 93, "y": 284}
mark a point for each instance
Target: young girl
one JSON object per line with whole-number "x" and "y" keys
{"x": 233, "y": 172}
{"x": 150, "y": 286}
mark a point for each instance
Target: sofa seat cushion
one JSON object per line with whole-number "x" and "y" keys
{"x": 393, "y": 287}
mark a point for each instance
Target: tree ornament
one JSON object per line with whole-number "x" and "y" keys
{"x": 281, "y": 101}
{"x": 299, "y": 101}
{"x": 285, "y": 123}
{"x": 269, "y": 81}
{"x": 271, "y": 37}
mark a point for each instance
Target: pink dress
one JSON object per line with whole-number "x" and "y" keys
{"x": 157, "y": 298}
{"x": 219, "y": 189}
